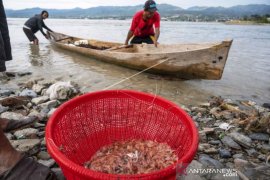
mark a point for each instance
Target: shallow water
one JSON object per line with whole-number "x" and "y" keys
{"x": 246, "y": 75}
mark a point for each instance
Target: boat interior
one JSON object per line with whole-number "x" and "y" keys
{"x": 138, "y": 48}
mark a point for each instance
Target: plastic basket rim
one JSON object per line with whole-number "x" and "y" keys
{"x": 68, "y": 164}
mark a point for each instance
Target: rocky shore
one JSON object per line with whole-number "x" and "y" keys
{"x": 233, "y": 134}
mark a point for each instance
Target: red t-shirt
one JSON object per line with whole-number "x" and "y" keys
{"x": 141, "y": 28}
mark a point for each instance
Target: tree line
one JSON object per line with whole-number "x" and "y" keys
{"x": 257, "y": 18}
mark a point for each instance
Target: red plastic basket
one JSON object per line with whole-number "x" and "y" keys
{"x": 81, "y": 126}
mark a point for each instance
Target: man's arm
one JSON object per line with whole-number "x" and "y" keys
{"x": 44, "y": 25}
{"x": 40, "y": 25}
{"x": 157, "y": 33}
{"x": 129, "y": 35}
{"x": 132, "y": 29}
{"x": 157, "y": 29}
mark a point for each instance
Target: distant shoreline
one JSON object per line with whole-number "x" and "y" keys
{"x": 233, "y": 22}
{"x": 239, "y": 22}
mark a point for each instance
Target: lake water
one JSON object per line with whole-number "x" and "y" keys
{"x": 246, "y": 75}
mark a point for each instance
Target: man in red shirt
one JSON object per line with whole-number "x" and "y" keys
{"x": 145, "y": 27}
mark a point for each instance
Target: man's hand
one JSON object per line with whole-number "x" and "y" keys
{"x": 129, "y": 35}
{"x": 47, "y": 36}
{"x": 157, "y": 32}
{"x": 156, "y": 43}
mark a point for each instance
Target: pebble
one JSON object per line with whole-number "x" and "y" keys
{"x": 4, "y": 92}
{"x": 202, "y": 136}
{"x": 23, "y": 73}
{"x": 224, "y": 153}
{"x": 229, "y": 101}
{"x": 214, "y": 142}
{"x": 59, "y": 174}
{"x": 259, "y": 108}
{"x": 226, "y": 115}
{"x": 226, "y": 140}
{"x": 208, "y": 161}
{"x": 48, "y": 163}
{"x": 9, "y": 136}
{"x": 29, "y": 84}
{"x": 29, "y": 105}
{"x": 43, "y": 142}
{"x": 40, "y": 100}
{"x": 28, "y": 93}
{"x": 262, "y": 157}
{"x": 43, "y": 155}
{"x": 251, "y": 152}
{"x": 240, "y": 163}
{"x": 37, "y": 114}
{"x": 30, "y": 146}
{"x": 3, "y": 109}
{"x": 50, "y": 113}
{"x": 39, "y": 125}
{"x": 259, "y": 136}
{"x": 198, "y": 109}
{"x": 26, "y": 133}
{"x": 12, "y": 115}
{"x": 241, "y": 139}
{"x": 191, "y": 176}
{"x": 204, "y": 120}
{"x": 230, "y": 165}
{"x": 265, "y": 148}
{"x": 266, "y": 105}
{"x": 38, "y": 88}
{"x": 215, "y": 111}
{"x": 211, "y": 151}
{"x": 206, "y": 104}
{"x": 208, "y": 130}
{"x": 41, "y": 133}
{"x": 238, "y": 156}
{"x": 203, "y": 146}
{"x": 49, "y": 105}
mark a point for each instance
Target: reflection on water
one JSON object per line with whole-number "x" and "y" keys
{"x": 246, "y": 75}
{"x": 37, "y": 56}
{"x": 97, "y": 75}
{"x": 34, "y": 55}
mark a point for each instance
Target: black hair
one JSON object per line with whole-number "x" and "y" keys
{"x": 44, "y": 12}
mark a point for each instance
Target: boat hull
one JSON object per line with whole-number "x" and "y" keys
{"x": 187, "y": 61}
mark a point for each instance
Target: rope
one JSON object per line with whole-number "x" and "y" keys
{"x": 123, "y": 80}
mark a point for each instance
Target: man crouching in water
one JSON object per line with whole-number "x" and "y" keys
{"x": 35, "y": 24}
{"x": 143, "y": 23}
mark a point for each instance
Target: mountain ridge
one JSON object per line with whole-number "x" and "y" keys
{"x": 166, "y": 10}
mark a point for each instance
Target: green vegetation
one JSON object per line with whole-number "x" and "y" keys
{"x": 257, "y": 18}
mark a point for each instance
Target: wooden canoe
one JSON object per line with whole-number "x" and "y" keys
{"x": 186, "y": 61}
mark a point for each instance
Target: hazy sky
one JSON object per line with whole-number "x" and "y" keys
{"x": 68, "y": 4}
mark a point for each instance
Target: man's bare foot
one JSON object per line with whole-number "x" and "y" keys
{"x": 35, "y": 42}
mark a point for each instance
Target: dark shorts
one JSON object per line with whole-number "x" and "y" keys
{"x": 140, "y": 40}
{"x": 30, "y": 35}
